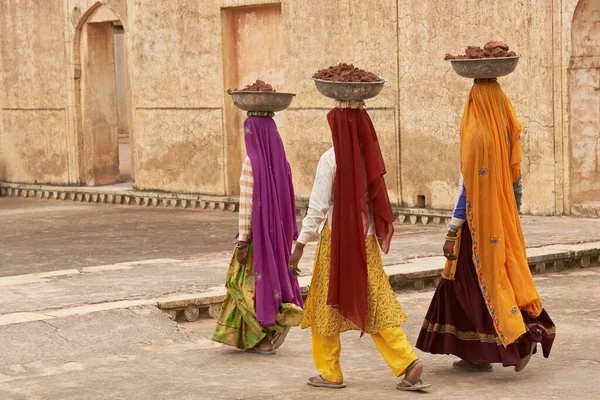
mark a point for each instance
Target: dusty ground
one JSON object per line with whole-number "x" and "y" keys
{"x": 140, "y": 354}
{"x": 47, "y": 235}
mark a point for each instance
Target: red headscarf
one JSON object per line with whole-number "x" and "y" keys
{"x": 360, "y": 167}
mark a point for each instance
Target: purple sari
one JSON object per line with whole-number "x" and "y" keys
{"x": 274, "y": 226}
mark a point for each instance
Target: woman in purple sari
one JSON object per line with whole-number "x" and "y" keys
{"x": 263, "y": 299}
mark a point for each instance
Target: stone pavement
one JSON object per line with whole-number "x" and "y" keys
{"x": 46, "y": 235}
{"x": 79, "y": 284}
{"x": 38, "y": 235}
{"x": 138, "y": 353}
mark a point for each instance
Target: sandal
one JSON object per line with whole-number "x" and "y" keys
{"x": 280, "y": 338}
{"x": 262, "y": 350}
{"x": 409, "y": 386}
{"x": 521, "y": 366}
{"x": 465, "y": 365}
{"x": 318, "y": 381}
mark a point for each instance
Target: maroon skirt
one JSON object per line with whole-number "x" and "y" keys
{"x": 458, "y": 321}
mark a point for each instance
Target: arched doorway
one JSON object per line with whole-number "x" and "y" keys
{"x": 103, "y": 104}
{"x": 584, "y": 99}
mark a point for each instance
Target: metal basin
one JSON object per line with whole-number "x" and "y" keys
{"x": 346, "y": 91}
{"x": 484, "y": 68}
{"x": 262, "y": 101}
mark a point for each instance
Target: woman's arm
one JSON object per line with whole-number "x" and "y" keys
{"x": 459, "y": 214}
{"x": 245, "y": 215}
{"x": 320, "y": 200}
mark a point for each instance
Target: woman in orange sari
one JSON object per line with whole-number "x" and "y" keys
{"x": 486, "y": 309}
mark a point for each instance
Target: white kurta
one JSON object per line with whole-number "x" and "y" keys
{"x": 320, "y": 208}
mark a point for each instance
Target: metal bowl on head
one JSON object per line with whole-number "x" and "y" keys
{"x": 485, "y": 68}
{"x": 262, "y": 101}
{"x": 347, "y": 91}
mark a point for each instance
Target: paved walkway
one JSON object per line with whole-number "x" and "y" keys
{"x": 79, "y": 283}
{"x": 98, "y": 257}
{"x": 138, "y": 353}
{"x": 48, "y": 235}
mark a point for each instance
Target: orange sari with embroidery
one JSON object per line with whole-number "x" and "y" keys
{"x": 491, "y": 162}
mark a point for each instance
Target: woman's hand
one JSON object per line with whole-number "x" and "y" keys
{"x": 242, "y": 252}
{"x": 449, "y": 247}
{"x": 295, "y": 259}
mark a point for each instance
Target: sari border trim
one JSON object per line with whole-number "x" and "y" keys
{"x": 480, "y": 279}
{"x": 475, "y": 336}
{"x": 462, "y": 335}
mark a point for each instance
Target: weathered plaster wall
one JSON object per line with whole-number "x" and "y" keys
{"x": 584, "y": 92}
{"x": 34, "y": 92}
{"x": 121, "y": 81}
{"x": 252, "y": 48}
{"x": 318, "y": 34}
{"x": 178, "y": 91}
{"x": 432, "y": 97}
{"x": 180, "y": 62}
{"x": 2, "y": 143}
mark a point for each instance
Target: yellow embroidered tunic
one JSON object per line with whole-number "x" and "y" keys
{"x": 383, "y": 311}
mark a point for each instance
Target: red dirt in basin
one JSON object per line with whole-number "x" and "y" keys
{"x": 493, "y": 49}
{"x": 258, "y": 86}
{"x": 346, "y": 73}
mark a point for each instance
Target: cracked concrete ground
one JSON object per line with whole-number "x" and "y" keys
{"x": 48, "y": 235}
{"x": 139, "y": 353}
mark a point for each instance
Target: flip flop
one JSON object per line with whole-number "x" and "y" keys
{"x": 465, "y": 365}
{"x": 318, "y": 381}
{"x": 521, "y": 366}
{"x": 257, "y": 350}
{"x": 419, "y": 386}
{"x": 280, "y": 338}
{"x": 412, "y": 387}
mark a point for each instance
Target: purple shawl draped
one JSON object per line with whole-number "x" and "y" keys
{"x": 274, "y": 226}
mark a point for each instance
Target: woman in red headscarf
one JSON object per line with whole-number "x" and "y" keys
{"x": 351, "y": 215}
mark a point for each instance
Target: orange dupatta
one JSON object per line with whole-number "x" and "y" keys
{"x": 491, "y": 163}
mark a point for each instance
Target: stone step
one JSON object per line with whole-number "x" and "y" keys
{"x": 121, "y": 194}
{"x": 124, "y": 194}
{"x": 415, "y": 274}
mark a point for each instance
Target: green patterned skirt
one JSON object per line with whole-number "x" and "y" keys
{"x": 237, "y": 324}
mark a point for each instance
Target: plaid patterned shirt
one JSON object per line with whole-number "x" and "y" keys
{"x": 245, "y": 216}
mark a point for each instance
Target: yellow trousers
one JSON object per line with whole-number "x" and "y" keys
{"x": 391, "y": 343}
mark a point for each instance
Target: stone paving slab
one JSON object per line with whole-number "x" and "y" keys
{"x": 417, "y": 273}
{"x": 36, "y": 278}
{"x": 125, "y": 194}
{"x": 178, "y": 285}
{"x": 139, "y": 354}
{"x": 43, "y": 235}
{"x": 154, "y": 255}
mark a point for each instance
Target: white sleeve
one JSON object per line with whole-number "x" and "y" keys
{"x": 320, "y": 200}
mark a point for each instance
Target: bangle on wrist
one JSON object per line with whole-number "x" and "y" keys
{"x": 451, "y": 238}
